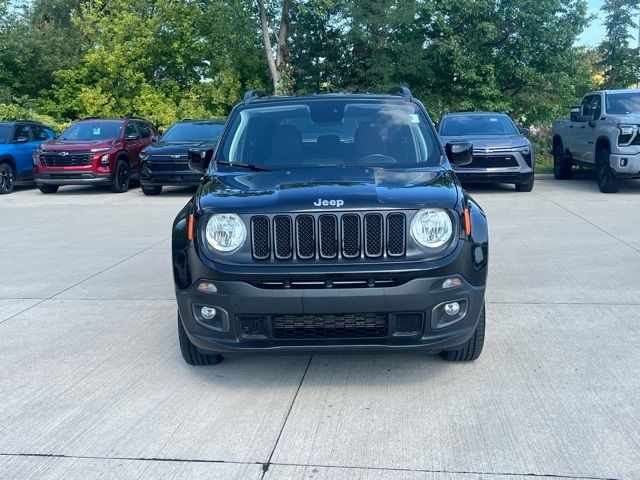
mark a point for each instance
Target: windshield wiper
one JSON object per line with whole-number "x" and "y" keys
{"x": 249, "y": 166}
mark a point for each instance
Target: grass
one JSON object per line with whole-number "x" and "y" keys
{"x": 544, "y": 162}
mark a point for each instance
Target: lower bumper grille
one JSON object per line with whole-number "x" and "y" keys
{"x": 354, "y": 325}
{"x": 492, "y": 161}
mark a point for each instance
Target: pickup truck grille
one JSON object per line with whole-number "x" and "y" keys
{"x": 69, "y": 160}
{"x": 329, "y": 236}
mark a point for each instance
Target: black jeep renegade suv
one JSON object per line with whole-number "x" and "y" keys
{"x": 330, "y": 222}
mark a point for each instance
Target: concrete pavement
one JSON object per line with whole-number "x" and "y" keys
{"x": 92, "y": 385}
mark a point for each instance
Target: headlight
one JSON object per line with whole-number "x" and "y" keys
{"x": 225, "y": 232}
{"x": 431, "y": 227}
{"x": 144, "y": 155}
{"x": 626, "y": 133}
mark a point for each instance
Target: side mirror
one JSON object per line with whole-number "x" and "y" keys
{"x": 21, "y": 140}
{"x": 155, "y": 138}
{"x": 577, "y": 114}
{"x": 199, "y": 160}
{"x": 459, "y": 153}
{"x": 523, "y": 130}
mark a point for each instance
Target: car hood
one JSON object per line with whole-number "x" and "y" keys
{"x": 305, "y": 189}
{"x": 170, "y": 148}
{"x": 490, "y": 141}
{"x": 57, "y": 145}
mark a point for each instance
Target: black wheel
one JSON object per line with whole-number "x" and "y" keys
{"x": 122, "y": 177}
{"x": 191, "y": 354}
{"x": 561, "y": 165}
{"x": 470, "y": 350}
{"x": 525, "y": 187}
{"x": 607, "y": 181}
{"x": 7, "y": 178}
{"x": 48, "y": 188}
{"x": 152, "y": 190}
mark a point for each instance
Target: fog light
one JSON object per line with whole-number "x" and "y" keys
{"x": 207, "y": 287}
{"x": 451, "y": 282}
{"x": 450, "y": 309}
{"x": 209, "y": 312}
{"x": 624, "y": 162}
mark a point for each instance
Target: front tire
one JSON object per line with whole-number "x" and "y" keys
{"x": 470, "y": 350}
{"x": 607, "y": 182}
{"x": 122, "y": 177}
{"x": 561, "y": 166}
{"x": 525, "y": 187}
{"x": 46, "y": 189}
{"x": 7, "y": 179}
{"x": 152, "y": 190}
{"x": 190, "y": 352}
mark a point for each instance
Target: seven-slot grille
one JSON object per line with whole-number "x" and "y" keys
{"x": 328, "y": 236}
{"x": 68, "y": 160}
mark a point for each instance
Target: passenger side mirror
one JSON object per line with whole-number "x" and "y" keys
{"x": 523, "y": 130}
{"x": 199, "y": 160}
{"x": 459, "y": 153}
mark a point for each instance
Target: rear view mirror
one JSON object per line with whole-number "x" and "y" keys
{"x": 459, "y": 153}
{"x": 199, "y": 160}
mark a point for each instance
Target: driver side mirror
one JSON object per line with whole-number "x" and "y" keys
{"x": 577, "y": 114}
{"x": 155, "y": 138}
{"x": 21, "y": 140}
{"x": 523, "y": 130}
{"x": 199, "y": 160}
{"x": 459, "y": 153}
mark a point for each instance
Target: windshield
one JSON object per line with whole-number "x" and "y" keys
{"x": 4, "y": 133}
{"x": 331, "y": 132}
{"x": 193, "y": 132}
{"x": 460, "y": 125}
{"x": 98, "y": 130}
{"x": 623, "y": 103}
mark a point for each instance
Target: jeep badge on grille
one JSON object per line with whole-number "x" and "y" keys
{"x": 326, "y": 203}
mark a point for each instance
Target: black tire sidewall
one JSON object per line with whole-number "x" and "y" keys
{"x": 5, "y": 167}
{"x": 116, "y": 187}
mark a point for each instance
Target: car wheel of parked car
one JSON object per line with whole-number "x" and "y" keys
{"x": 7, "y": 178}
{"x": 48, "y": 188}
{"x": 470, "y": 350}
{"x": 607, "y": 181}
{"x": 561, "y": 166}
{"x": 190, "y": 352}
{"x": 122, "y": 177}
{"x": 153, "y": 190}
{"x": 525, "y": 187}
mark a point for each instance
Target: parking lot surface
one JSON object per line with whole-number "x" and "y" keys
{"x": 92, "y": 384}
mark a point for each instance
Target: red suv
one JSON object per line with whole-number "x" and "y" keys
{"x": 94, "y": 151}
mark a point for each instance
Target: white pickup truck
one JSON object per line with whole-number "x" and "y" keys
{"x": 603, "y": 132}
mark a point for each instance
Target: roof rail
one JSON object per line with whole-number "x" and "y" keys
{"x": 403, "y": 91}
{"x": 252, "y": 94}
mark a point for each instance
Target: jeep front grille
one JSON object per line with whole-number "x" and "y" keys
{"x": 331, "y": 236}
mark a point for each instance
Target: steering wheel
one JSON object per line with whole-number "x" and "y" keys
{"x": 377, "y": 158}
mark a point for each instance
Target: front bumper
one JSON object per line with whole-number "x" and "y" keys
{"x": 71, "y": 178}
{"x": 625, "y": 165}
{"x": 516, "y": 169}
{"x": 168, "y": 173}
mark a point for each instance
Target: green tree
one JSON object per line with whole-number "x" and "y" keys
{"x": 620, "y": 62}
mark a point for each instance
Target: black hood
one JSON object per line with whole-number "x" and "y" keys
{"x": 181, "y": 148}
{"x": 304, "y": 189}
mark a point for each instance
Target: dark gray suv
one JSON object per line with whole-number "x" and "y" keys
{"x": 501, "y": 151}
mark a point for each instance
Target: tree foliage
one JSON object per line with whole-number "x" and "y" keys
{"x": 620, "y": 62}
{"x": 167, "y": 59}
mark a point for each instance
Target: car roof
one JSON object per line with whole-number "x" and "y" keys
{"x": 32, "y": 122}
{"x": 325, "y": 96}
{"x": 474, "y": 113}
{"x": 625, "y": 90}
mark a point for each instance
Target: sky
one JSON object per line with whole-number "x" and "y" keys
{"x": 594, "y": 33}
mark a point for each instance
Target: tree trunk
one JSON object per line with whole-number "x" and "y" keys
{"x": 279, "y": 63}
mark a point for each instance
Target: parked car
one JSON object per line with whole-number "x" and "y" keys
{"x": 18, "y": 141}
{"x": 603, "y": 133}
{"x": 501, "y": 151}
{"x": 94, "y": 151}
{"x": 330, "y": 222}
{"x": 165, "y": 162}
